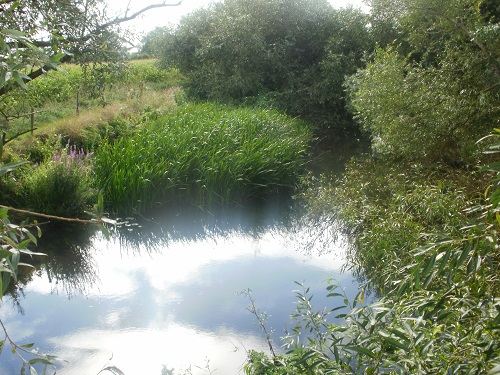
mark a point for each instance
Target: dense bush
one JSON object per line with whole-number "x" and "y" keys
{"x": 61, "y": 186}
{"x": 291, "y": 54}
{"x": 431, "y": 95}
{"x": 388, "y": 210}
{"x": 202, "y": 154}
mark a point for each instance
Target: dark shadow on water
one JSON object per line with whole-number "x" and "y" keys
{"x": 188, "y": 224}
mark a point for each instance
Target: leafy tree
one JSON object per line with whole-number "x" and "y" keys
{"x": 37, "y": 35}
{"x": 152, "y": 43}
{"x": 293, "y": 54}
{"x": 433, "y": 93}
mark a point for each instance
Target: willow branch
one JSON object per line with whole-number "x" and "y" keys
{"x": 45, "y": 216}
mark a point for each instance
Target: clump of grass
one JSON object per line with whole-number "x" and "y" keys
{"x": 202, "y": 154}
{"x": 61, "y": 186}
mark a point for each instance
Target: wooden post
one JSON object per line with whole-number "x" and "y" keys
{"x": 77, "y": 104}
{"x": 2, "y": 142}
{"x": 32, "y": 117}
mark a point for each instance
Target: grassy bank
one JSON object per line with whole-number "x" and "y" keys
{"x": 144, "y": 147}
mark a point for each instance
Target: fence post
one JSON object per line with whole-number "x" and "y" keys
{"x": 77, "y": 104}
{"x": 2, "y": 142}
{"x": 32, "y": 117}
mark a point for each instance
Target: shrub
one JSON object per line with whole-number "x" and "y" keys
{"x": 61, "y": 186}
{"x": 387, "y": 210}
{"x": 440, "y": 313}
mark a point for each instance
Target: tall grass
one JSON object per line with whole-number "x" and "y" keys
{"x": 202, "y": 154}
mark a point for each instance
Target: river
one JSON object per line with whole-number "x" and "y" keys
{"x": 164, "y": 294}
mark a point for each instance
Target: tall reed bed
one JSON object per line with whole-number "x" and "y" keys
{"x": 202, "y": 154}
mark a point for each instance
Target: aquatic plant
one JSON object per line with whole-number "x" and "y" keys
{"x": 202, "y": 154}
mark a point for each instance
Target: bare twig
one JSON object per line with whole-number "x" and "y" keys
{"x": 73, "y": 220}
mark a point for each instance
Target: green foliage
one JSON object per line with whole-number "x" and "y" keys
{"x": 432, "y": 94}
{"x": 19, "y": 52}
{"x": 259, "y": 363}
{"x": 150, "y": 72}
{"x": 37, "y": 36}
{"x": 152, "y": 42}
{"x": 388, "y": 210}
{"x": 202, "y": 154}
{"x": 434, "y": 252}
{"x": 57, "y": 85}
{"x": 295, "y": 54}
{"x": 61, "y": 186}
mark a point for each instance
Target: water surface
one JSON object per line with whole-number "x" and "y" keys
{"x": 166, "y": 293}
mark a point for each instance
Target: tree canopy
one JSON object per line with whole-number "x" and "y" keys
{"x": 36, "y": 35}
{"x": 292, "y": 54}
{"x": 434, "y": 90}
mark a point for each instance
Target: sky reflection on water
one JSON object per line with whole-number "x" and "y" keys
{"x": 171, "y": 299}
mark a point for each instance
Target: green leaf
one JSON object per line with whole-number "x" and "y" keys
{"x": 5, "y": 253}
{"x": 398, "y": 333}
{"x": 14, "y": 33}
{"x": 465, "y": 253}
{"x": 3, "y": 210}
{"x": 443, "y": 315}
{"x": 362, "y": 350}
{"x": 335, "y": 295}
{"x": 16, "y": 256}
{"x": 9, "y": 167}
{"x": 40, "y": 360}
{"x": 57, "y": 57}
{"x": 17, "y": 77}
{"x": 444, "y": 261}
{"x": 22, "y": 244}
{"x": 394, "y": 343}
{"x": 27, "y": 346}
{"x": 429, "y": 266}
{"x": 31, "y": 237}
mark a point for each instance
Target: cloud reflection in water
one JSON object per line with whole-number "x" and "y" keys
{"x": 172, "y": 300}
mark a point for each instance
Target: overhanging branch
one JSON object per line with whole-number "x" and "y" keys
{"x": 137, "y": 14}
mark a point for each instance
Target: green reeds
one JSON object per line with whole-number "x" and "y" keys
{"x": 202, "y": 154}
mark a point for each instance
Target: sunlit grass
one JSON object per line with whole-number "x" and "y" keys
{"x": 202, "y": 154}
